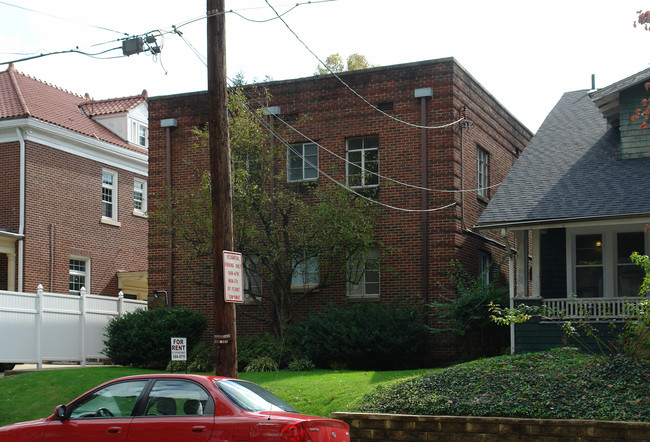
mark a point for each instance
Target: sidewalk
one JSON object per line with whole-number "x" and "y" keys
{"x": 19, "y": 368}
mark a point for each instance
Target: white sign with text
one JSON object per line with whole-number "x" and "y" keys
{"x": 233, "y": 277}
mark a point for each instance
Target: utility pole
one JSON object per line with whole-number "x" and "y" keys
{"x": 222, "y": 225}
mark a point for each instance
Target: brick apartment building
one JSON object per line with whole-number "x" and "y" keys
{"x": 474, "y": 144}
{"x": 74, "y": 190}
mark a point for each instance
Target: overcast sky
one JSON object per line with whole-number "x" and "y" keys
{"x": 526, "y": 54}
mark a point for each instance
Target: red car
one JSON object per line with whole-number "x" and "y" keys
{"x": 177, "y": 407}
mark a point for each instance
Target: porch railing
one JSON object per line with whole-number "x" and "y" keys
{"x": 590, "y": 309}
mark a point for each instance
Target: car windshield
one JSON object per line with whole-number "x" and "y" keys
{"x": 252, "y": 397}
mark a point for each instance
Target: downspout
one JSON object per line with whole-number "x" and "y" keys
{"x": 21, "y": 226}
{"x": 423, "y": 94}
{"x": 511, "y": 285}
{"x": 168, "y": 124}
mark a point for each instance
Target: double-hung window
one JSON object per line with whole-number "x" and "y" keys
{"x": 305, "y": 272}
{"x": 484, "y": 268}
{"x": 363, "y": 274}
{"x": 629, "y": 276}
{"x": 139, "y": 133}
{"x": 363, "y": 162}
{"x": 589, "y": 274}
{"x": 302, "y": 162}
{"x": 109, "y": 195}
{"x": 78, "y": 275}
{"x": 139, "y": 196}
{"x": 483, "y": 167}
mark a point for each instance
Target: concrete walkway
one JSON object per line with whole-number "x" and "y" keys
{"x": 21, "y": 368}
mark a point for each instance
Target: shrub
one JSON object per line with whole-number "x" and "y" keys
{"x": 263, "y": 363}
{"x": 142, "y": 338}
{"x": 250, "y": 348}
{"x": 364, "y": 336}
{"x": 200, "y": 359}
{"x": 466, "y": 315}
{"x": 302, "y": 364}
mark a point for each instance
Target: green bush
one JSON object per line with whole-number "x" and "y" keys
{"x": 364, "y": 336}
{"x": 250, "y": 348}
{"x": 302, "y": 364}
{"x": 558, "y": 384}
{"x": 260, "y": 364}
{"x": 142, "y": 338}
{"x": 200, "y": 360}
{"x": 466, "y": 315}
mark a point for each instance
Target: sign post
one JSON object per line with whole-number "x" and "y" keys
{"x": 179, "y": 352}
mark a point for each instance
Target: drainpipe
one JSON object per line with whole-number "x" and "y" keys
{"x": 511, "y": 285}
{"x": 21, "y": 227}
{"x": 423, "y": 94}
{"x": 168, "y": 124}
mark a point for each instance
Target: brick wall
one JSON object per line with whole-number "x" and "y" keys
{"x": 63, "y": 208}
{"x": 9, "y": 189}
{"x": 329, "y": 113}
{"x": 387, "y": 427}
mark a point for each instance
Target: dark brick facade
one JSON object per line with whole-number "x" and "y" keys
{"x": 326, "y": 111}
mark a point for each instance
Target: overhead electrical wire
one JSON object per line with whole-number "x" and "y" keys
{"x": 362, "y": 98}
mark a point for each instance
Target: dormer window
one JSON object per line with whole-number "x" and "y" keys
{"x": 139, "y": 133}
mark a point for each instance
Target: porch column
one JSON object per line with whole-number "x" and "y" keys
{"x": 522, "y": 263}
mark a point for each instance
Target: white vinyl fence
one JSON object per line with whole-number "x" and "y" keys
{"x": 37, "y": 327}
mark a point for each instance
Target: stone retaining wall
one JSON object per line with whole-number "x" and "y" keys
{"x": 389, "y": 427}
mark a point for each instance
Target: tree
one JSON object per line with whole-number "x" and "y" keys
{"x": 306, "y": 235}
{"x": 334, "y": 63}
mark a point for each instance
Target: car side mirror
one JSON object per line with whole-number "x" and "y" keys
{"x": 59, "y": 413}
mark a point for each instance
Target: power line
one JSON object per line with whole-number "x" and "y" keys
{"x": 350, "y": 87}
{"x": 62, "y": 18}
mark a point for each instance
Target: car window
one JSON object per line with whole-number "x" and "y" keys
{"x": 177, "y": 397}
{"x": 252, "y": 397}
{"x": 115, "y": 400}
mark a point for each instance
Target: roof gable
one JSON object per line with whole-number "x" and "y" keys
{"x": 571, "y": 170}
{"x": 23, "y": 96}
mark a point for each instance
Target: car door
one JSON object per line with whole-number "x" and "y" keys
{"x": 101, "y": 415}
{"x": 175, "y": 410}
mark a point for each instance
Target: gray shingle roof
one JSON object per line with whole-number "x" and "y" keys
{"x": 571, "y": 169}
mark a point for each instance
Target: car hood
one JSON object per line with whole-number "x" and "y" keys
{"x": 26, "y": 424}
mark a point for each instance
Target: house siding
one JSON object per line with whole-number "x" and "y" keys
{"x": 325, "y": 110}
{"x": 635, "y": 141}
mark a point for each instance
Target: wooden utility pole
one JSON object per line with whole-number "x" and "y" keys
{"x": 222, "y": 226}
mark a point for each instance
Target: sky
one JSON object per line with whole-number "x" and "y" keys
{"x": 526, "y": 54}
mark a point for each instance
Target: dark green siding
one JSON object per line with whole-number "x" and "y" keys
{"x": 553, "y": 263}
{"x": 635, "y": 141}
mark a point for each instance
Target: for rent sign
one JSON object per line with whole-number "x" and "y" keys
{"x": 233, "y": 277}
{"x": 179, "y": 349}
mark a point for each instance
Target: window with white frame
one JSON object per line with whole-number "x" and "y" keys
{"x": 139, "y": 133}
{"x": 483, "y": 167}
{"x": 362, "y": 162}
{"x": 629, "y": 276}
{"x": 139, "y": 196}
{"x": 305, "y": 272}
{"x": 484, "y": 268}
{"x": 364, "y": 275}
{"x": 78, "y": 275}
{"x": 589, "y": 269}
{"x": 252, "y": 279}
{"x": 109, "y": 195}
{"x": 302, "y": 162}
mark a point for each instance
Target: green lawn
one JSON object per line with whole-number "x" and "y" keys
{"x": 32, "y": 395}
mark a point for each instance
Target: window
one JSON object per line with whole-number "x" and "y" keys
{"x": 363, "y": 162}
{"x": 483, "y": 164}
{"x": 484, "y": 268}
{"x": 109, "y": 195}
{"x": 305, "y": 272}
{"x": 589, "y": 266}
{"x": 139, "y": 133}
{"x": 175, "y": 397}
{"x": 302, "y": 162}
{"x": 139, "y": 196}
{"x": 78, "y": 275}
{"x": 364, "y": 275}
{"x": 252, "y": 279}
{"x": 115, "y": 400}
{"x": 629, "y": 276}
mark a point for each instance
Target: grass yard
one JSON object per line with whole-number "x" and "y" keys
{"x": 32, "y": 395}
